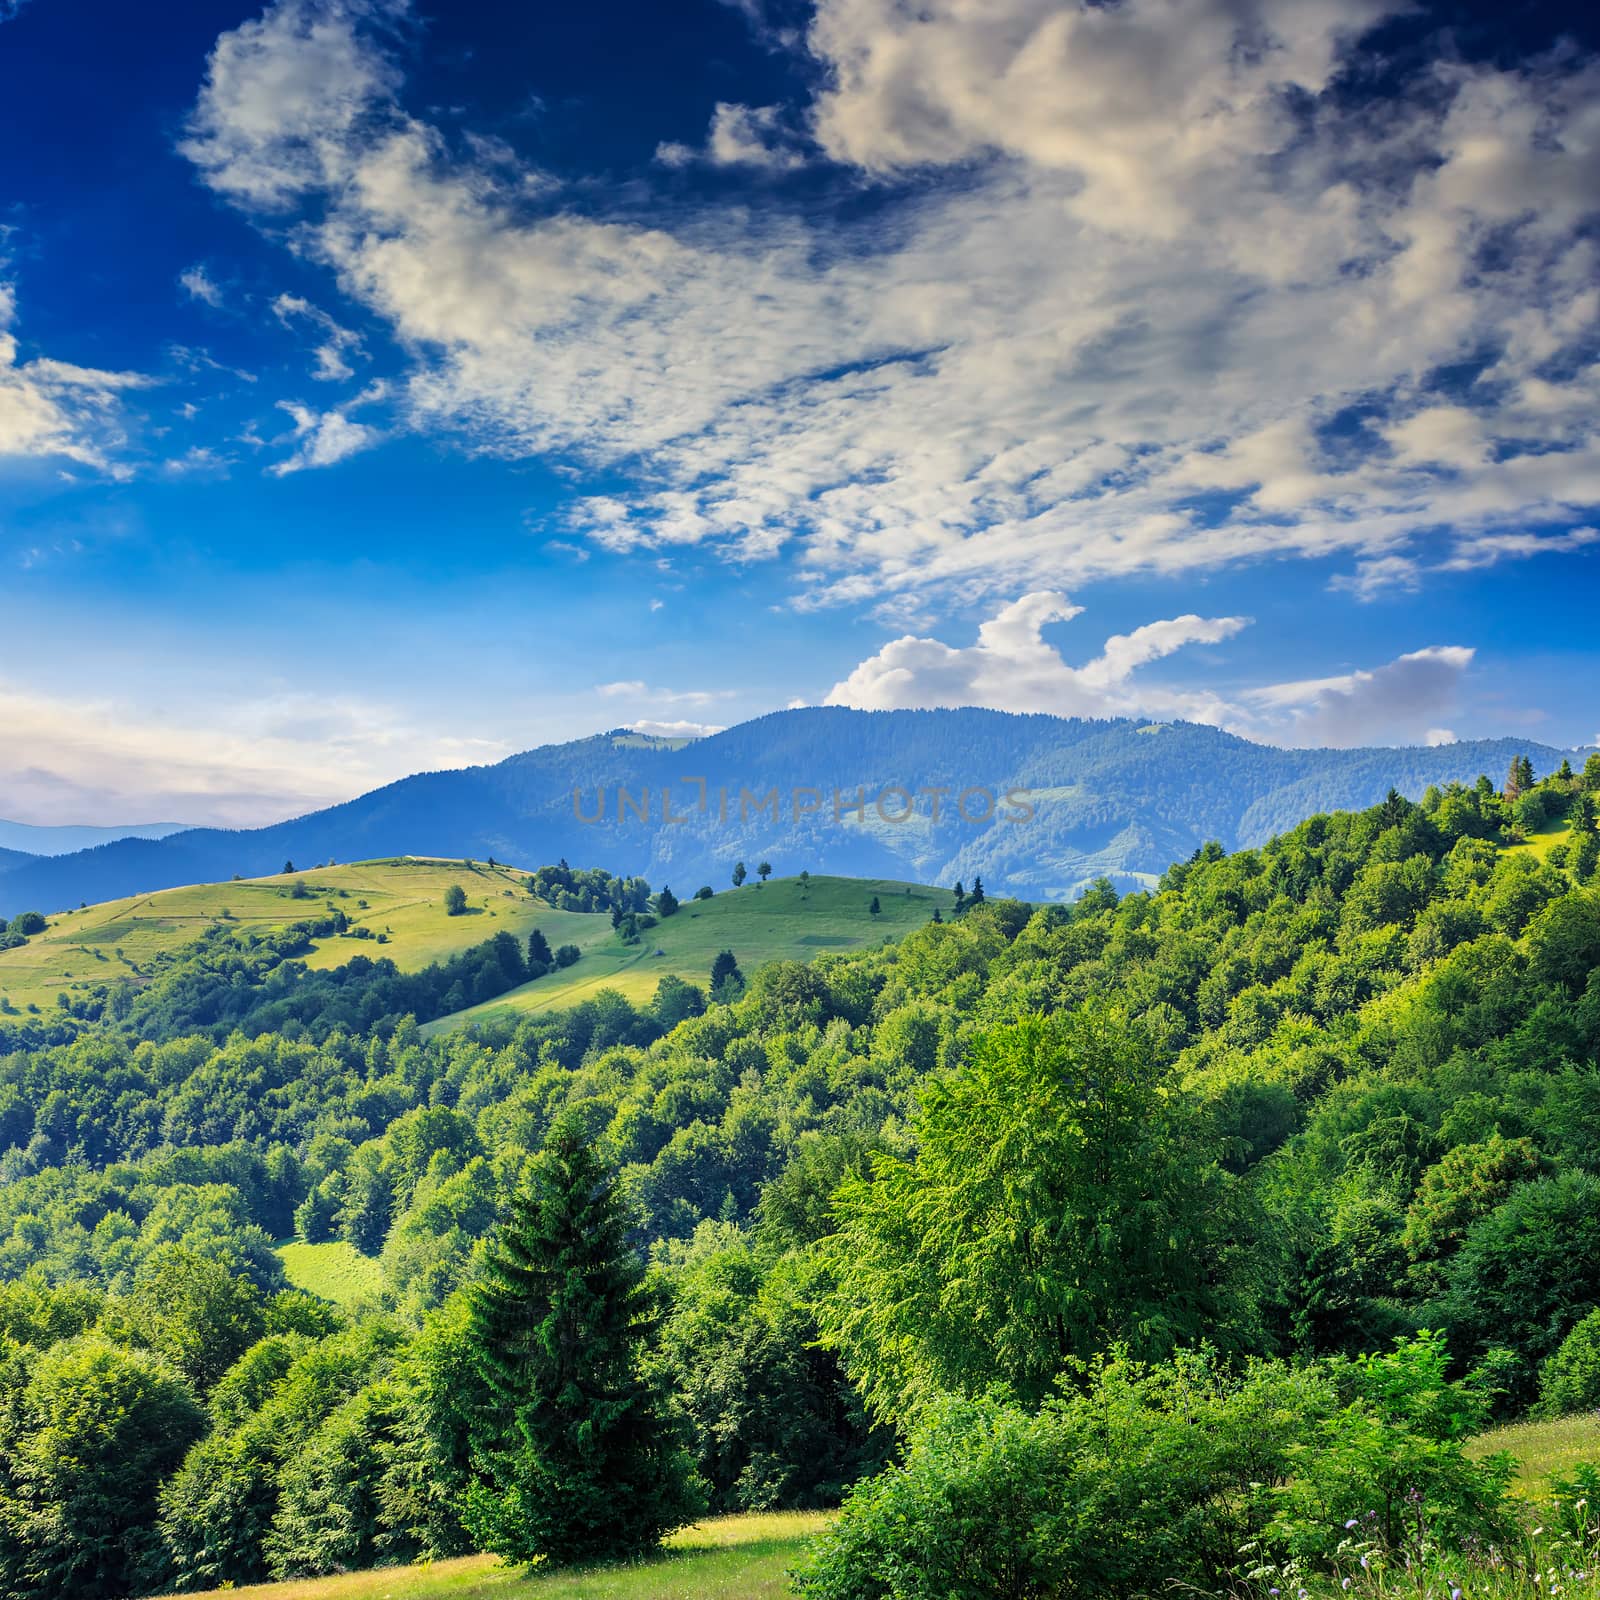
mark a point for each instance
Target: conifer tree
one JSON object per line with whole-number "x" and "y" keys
{"x": 579, "y": 1461}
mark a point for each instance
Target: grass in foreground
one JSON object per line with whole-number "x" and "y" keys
{"x": 727, "y": 1558}
{"x": 334, "y": 1270}
{"x": 784, "y": 920}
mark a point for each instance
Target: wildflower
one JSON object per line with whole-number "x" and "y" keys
{"x": 1353, "y": 1522}
{"x": 1345, "y": 1583}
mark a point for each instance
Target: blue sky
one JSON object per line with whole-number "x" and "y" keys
{"x": 393, "y": 385}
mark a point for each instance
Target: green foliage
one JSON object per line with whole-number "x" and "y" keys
{"x": 88, "y": 1431}
{"x": 774, "y": 1423}
{"x": 1570, "y": 1379}
{"x": 1063, "y": 1198}
{"x": 455, "y": 900}
{"x": 1178, "y": 1474}
{"x": 1528, "y": 1271}
{"x": 578, "y": 1459}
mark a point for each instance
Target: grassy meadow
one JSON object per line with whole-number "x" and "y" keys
{"x": 783, "y": 920}
{"x": 402, "y": 899}
{"x": 727, "y": 1558}
{"x": 333, "y": 1270}
{"x": 1543, "y": 1448}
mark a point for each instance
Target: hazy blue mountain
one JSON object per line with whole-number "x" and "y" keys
{"x": 26, "y": 839}
{"x": 12, "y": 858}
{"x": 1113, "y": 797}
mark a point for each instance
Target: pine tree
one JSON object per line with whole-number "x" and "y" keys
{"x": 976, "y": 897}
{"x": 579, "y": 1461}
{"x": 874, "y": 908}
{"x": 539, "y": 957}
{"x": 961, "y": 898}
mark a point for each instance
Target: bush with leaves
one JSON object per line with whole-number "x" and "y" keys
{"x": 88, "y": 1433}
{"x": 1570, "y": 1379}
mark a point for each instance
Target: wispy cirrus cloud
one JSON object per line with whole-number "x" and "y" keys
{"x": 1151, "y": 262}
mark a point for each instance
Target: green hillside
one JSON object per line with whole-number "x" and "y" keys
{"x": 726, "y": 1558}
{"x": 401, "y": 900}
{"x": 784, "y": 920}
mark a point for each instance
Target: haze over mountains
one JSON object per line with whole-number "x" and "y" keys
{"x": 26, "y": 839}
{"x": 1118, "y": 798}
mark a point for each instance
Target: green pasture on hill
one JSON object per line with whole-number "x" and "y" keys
{"x": 727, "y": 1558}
{"x": 783, "y": 920}
{"x": 402, "y": 899}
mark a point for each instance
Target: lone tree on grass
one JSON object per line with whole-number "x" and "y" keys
{"x": 764, "y": 871}
{"x": 455, "y": 900}
{"x": 874, "y": 908}
{"x": 727, "y": 981}
{"x": 581, "y": 1462}
{"x": 739, "y": 874}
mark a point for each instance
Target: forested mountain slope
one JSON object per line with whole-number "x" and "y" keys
{"x": 1299, "y": 1101}
{"x": 1116, "y": 798}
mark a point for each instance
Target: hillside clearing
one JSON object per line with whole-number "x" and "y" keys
{"x": 401, "y": 899}
{"x": 333, "y": 1270}
{"x": 727, "y": 1558}
{"x": 784, "y": 920}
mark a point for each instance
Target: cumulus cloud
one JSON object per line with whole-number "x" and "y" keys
{"x": 54, "y": 409}
{"x": 740, "y": 136}
{"x": 1012, "y": 667}
{"x": 1117, "y": 325}
{"x": 84, "y": 760}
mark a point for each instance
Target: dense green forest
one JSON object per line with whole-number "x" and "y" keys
{"x": 1303, "y": 1146}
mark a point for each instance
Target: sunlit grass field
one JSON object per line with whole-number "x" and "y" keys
{"x": 1544, "y": 1447}
{"x": 334, "y": 1270}
{"x": 784, "y": 919}
{"x": 402, "y": 899}
{"x": 1556, "y": 831}
{"x": 728, "y": 1558}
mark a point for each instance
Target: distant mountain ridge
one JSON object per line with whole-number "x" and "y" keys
{"x": 26, "y": 838}
{"x": 1119, "y": 798}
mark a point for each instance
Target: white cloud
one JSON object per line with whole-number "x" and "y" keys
{"x": 76, "y": 760}
{"x": 739, "y": 136}
{"x": 337, "y": 341}
{"x": 1148, "y": 262}
{"x": 324, "y": 438}
{"x": 676, "y": 730}
{"x": 1395, "y": 703}
{"x": 54, "y": 409}
{"x": 636, "y": 689}
{"x": 1011, "y": 667}
{"x": 196, "y": 282}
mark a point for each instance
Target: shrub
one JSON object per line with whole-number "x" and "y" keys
{"x": 1177, "y": 1475}
{"x": 1570, "y": 1380}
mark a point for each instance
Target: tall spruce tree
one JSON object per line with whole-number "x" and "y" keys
{"x": 580, "y": 1461}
